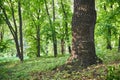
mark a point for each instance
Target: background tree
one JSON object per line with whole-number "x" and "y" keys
{"x": 65, "y": 10}
{"x": 119, "y": 45}
{"x": 1, "y": 28}
{"x": 35, "y": 21}
{"x": 52, "y": 27}
{"x": 54, "y": 33}
{"x": 14, "y": 28}
{"x": 107, "y": 24}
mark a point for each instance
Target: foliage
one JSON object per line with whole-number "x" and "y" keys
{"x": 4, "y": 45}
{"x": 107, "y": 20}
{"x": 113, "y": 73}
{"x": 108, "y": 55}
{"x": 42, "y": 68}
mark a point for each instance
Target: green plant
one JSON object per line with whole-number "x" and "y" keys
{"x": 113, "y": 73}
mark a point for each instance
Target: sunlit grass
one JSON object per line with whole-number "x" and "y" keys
{"x": 109, "y": 56}
{"x": 15, "y": 69}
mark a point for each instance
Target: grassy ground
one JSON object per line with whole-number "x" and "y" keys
{"x": 14, "y": 70}
{"x": 42, "y": 69}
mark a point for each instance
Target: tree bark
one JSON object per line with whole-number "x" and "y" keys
{"x": 47, "y": 43}
{"x": 12, "y": 30}
{"x": 62, "y": 46}
{"x": 108, "y": 33}
{"x": 83, "y": 24}
{"x": 66, "y": 27}
{"x": 38, "y": 35}
{"x": 16, "y": 30}
{"x": 54, "y": 33}
{"x": 52, "y": 28}
{"x": 1, "y": 34}
{"x": 119, "y": 44}
{"x": 109, "y": 39}
{"x": 38, "y": 42}
{"x": 20, "y": 30}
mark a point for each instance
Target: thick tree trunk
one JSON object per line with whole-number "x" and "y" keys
{"x": 83, "y": 24}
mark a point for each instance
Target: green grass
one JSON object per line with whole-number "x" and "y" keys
{"x": 41, "y": 68}
{"x": 15, "y": 70}
{"x": 109, "y": 55}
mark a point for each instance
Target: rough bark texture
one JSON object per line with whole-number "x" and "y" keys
{"x": 83, "y": 24}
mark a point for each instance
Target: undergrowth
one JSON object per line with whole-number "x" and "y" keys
{"x": 42, "y": 69}
{"x": 16, "y": 70}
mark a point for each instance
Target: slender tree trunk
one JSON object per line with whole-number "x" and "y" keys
{"x": 12, "y": 30}
{"x": 17, "y": 47}
{"x": 66, "y": 27}
{"x": 1, "y": 34}
{"x": 83, "y": 24}
{"x": 38, "y": 34}
{"x": 69, "y": 48}
{"x": 20, "y": 30}
{"x": 108, "y": 33}
{"x": 37, "y": 37}
{"x": 47, "y": 44}
{"x": 16, "y": 31}
{"x": 55, "y": 47}
{"x": 52, "y": 28}
{"x": 38, "y": 41}
{"x": 109, "y": 39}
{"x": 55, "y": 39}
{"x": 62, "y": 46}
{"x": 119, "y": 44}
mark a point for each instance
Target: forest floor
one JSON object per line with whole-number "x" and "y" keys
{"x": 43, "y": 69}
{"x": 95, "y": 72}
